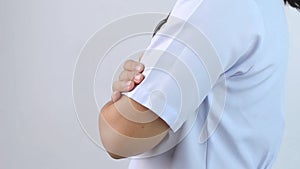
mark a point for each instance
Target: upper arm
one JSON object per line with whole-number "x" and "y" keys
{"x": 186, "y": 61}
{"x": 123, "y": 135}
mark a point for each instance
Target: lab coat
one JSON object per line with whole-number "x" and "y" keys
{"x": 215, "y": 74}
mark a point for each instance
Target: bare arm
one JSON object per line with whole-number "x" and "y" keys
{"x": 122, "y": 137}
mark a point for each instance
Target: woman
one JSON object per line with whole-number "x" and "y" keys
{"x": 251, "y": 40}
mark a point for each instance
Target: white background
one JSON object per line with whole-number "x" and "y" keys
{"x": 39, "y": 43}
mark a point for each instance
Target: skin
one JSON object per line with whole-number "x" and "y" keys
{"x": 128, "y": 78}
{"x": 121, "y": 136}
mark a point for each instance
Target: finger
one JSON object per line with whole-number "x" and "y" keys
{"x": 126, "y": 75}
{"x": 138, "y": 78}
{"x": 123, "y": 86}
{"x": 115, "y": 96}
{"x": 132, "y": 65}
{"x": 131, "y": 76}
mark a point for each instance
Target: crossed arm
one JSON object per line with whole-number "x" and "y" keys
{"x": 123, "y": 136}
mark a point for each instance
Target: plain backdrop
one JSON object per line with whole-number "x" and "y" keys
{"x": 39, "y": 43}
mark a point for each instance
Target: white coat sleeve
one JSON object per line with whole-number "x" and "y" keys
{"x": 199, "y": 43}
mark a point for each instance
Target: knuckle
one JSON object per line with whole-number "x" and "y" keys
{"x": 121, "y": 75}
{"x": 127, "y": 64}
{"x": 131, "y": 75}
{"x": 114, "y": 85}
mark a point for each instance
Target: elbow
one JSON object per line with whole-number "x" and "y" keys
{"x": 114, "y": 156}
{"x": 105, "y": 135}
{"x": 123, "y": 138}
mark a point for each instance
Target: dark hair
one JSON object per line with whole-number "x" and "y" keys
{"x": 293, "y": 3}
{"x": 160, "y": 24}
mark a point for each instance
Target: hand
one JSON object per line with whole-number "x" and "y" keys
{"x": 128, "y": 79}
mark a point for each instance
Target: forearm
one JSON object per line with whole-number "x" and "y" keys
{"x": 122, "y": 137}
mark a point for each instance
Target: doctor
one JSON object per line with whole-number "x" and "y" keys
{"x": 251, "y": 40}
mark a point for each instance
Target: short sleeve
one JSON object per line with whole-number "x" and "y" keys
{"x": 199, "y": 43}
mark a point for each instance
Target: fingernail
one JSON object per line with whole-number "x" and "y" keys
{"x": 125, "y": 84}
{"x": 138, "y": 77}
{"x": 128, "y": 83}
{"x": 139, "y": 67}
